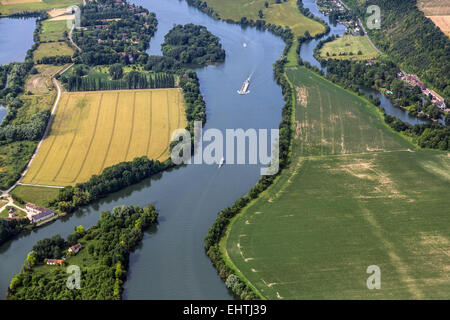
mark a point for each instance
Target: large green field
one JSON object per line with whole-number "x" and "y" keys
{"x": 282, "y": 14}
{"x": 14, "y": 6}
{"x": 355, "y": 195}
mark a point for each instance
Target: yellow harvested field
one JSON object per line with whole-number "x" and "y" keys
{"x": 7, "y": 2}
{"x": 443, "y": 22}
{"x": 94, "y": 130}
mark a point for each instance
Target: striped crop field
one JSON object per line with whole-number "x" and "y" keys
{"x": 95, "y": 130}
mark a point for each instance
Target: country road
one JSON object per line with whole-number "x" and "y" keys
{"x": 70, "y": 38}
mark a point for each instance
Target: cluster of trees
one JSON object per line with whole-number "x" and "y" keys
{"x": 31, "y": 130}
{"x": 192, "y": 44}
{"x": 132, "y": 80}
{"x": 10, "y": 228}
{"x": 106, "y": 246}
{"x": 413, "y": 40}
{"x": 111, "y": 179}
{"x": 162, "y": 63}
{"x": 56, "y": 60}
{"x": 114, "y": 31}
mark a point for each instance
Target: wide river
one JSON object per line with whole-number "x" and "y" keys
{"x": 171, "y": 262}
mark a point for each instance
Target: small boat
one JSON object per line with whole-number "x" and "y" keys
{"x": 244, "y": 88}
{"x": 222, "y": 161}
{"x": 244, "y": 45}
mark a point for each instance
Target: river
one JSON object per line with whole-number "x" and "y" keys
{"x": 171, "y": 262}
{"x": 17, "y": 36}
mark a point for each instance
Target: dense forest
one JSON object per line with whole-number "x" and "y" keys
{"x": 103, "y": 259}
{"x": 114, "y": 31}
{"x": 192, "y": 44}
{"x": 412, "y": 40}
{"x": 111, "y": 179}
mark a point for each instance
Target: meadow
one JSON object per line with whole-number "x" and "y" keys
{"x": 94, "y": 130}
{"x": 356, "y": 194}
{"x": 53, "y": 31}
{"x": 37, "y": 195}
{"x": 14, "y": 6}
{"x": 350, "y": 46}
{"x": 282, "y": 14}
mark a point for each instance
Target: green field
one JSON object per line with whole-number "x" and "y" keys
{"x": 347, "y": 47}
{"x": 53, "y": 31}
{"x": 283, "y": 14}
{"x": 37, "y": 195}
{"x": 52, "y": 49}
{"x": 355, "y": 195}
{"x": 14, "y": 6}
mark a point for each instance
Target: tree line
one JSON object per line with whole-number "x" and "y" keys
{"x": 132, "y": 80}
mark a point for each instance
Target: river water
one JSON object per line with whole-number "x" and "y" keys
{"x": 171, "y": 263}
